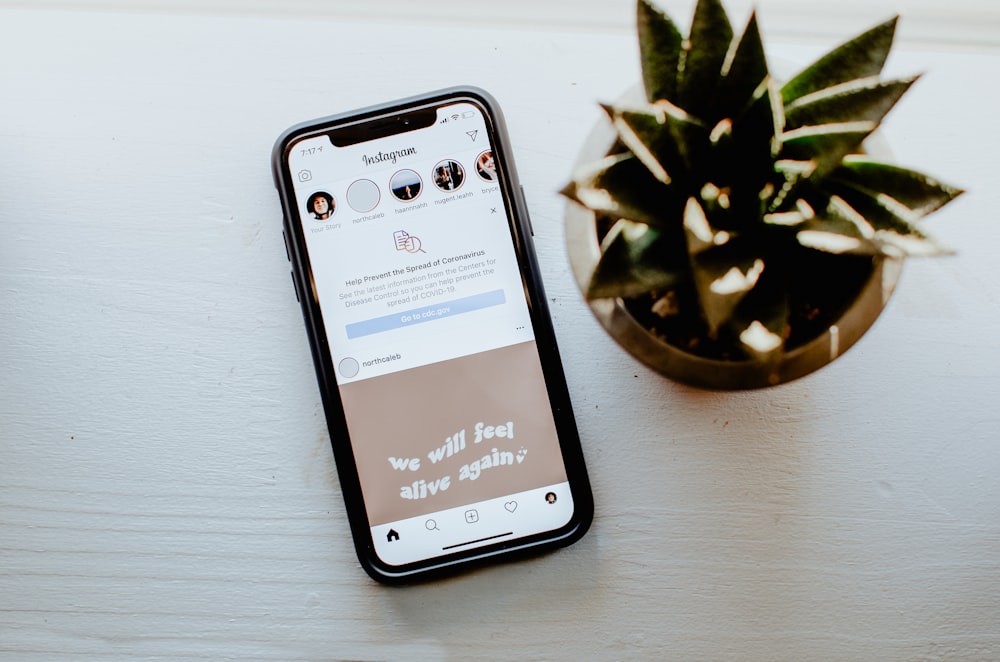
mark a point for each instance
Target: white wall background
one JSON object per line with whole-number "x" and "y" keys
{"x": 963, "y": 23}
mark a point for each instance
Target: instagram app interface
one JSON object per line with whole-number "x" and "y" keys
{"x": 414, "y": 267}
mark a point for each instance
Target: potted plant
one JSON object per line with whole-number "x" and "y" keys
{"x": 731, "y": 232}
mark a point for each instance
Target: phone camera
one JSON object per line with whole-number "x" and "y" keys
{"x": 305, "y": 176}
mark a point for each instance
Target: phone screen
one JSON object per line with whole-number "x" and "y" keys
{"x": 411, "y": 246}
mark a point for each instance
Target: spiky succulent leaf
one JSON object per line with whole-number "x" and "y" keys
{"x": 724, "y": 276}
{"x": 761, "y": 320}
{"x": 918, "y": 192}
{"x": 724, "y": 270}
{"x": 743, "y": 72}
{"x": 866, "y": 99}
{"x": 745, "y": 162}
{"x": 825, "y": 145}
{"x": 836, "y": 228}
{"x": 662, "y": 136}
{"x": 836, "y": 243}
{"x": 861, "y": 57}
{"x": 742, "y": 144}
{"x": 620, "y": 186}
{"x": 703, "y": 57}
{"x": 889, "y": 220}
{"x": 660, "y": 47}
{"x": 698, "y": 230}
{"x": 636, "y": 259}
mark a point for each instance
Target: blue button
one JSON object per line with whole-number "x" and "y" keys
{"x": 425, "y": 314}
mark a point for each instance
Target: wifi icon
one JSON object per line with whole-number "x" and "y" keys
{"x": 455, "y": 116}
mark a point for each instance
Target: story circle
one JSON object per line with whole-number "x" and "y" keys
{"x": 449, "y": 175}
{"x": 486, "y": 167}
{"x": 363, "y": 195}
{"x": 321, "y": 206}
{"x": 405, "y": 185}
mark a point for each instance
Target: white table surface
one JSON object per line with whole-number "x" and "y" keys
{"x": 166, "y": 485}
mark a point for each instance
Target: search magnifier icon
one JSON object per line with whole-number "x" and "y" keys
{"x": 431, "y": 525}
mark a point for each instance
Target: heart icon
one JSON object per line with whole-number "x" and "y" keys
{"x": 511, "y": 506}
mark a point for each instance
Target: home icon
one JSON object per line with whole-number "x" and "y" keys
{"x": 393, "y": 535}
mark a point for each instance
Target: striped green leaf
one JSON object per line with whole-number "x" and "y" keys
{"x": 918, "y": 192}
{"x": 742, "y": 75}
{"x": 636, "y": 259}
{"x": 860, "y": 57}
{"x": 825, "y": 145}
{"x": 865, "y": 99}
{"x": 660, "y": 46}
{"x": 620, "y": 186}
{"x": 662, "y": 136}
{"x": 704, "y": 57}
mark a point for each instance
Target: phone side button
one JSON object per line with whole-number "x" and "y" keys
{"x": 527, "y": 216}
{"x": 288, "y": 253}
{"x": 295, "y": 286}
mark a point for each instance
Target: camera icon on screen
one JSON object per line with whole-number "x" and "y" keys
{"x": 305, "y": 175}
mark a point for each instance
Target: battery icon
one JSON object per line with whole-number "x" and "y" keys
{"x": 469, "y": 113}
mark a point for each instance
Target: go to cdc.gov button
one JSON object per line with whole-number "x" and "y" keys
{"x": 425, "y": 314}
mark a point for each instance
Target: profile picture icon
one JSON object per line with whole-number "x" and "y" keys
{"x": 363, "y": 195}
{"x": 405, "y": 185}
{"x": 485, "y": 167}
{"x": 321, "y": 205}
{"x": 550, "y": 497}
{"x": 449, "y": 175}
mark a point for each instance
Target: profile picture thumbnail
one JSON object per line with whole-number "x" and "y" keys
{"x": 449, "y": 175}
{"x": 363, "y": 195}
{"x": 321, "y": 205}
{"x": 485, "y": 166}
{"x": 405, "y": 185}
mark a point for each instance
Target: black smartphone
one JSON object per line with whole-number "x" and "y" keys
{"x": 444, "y": 393}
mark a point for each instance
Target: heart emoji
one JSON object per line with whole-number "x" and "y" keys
{"x": 511, "y": 506}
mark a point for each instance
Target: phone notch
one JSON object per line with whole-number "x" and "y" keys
{"x": 390, "y": 125}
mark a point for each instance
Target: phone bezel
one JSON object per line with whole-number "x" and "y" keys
{"x": 396, "y": 113}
